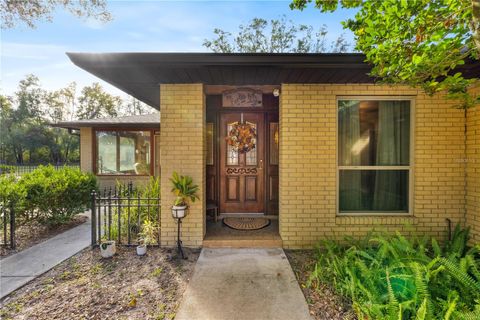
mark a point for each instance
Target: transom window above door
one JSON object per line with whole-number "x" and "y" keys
{"x": 374, "y": 158}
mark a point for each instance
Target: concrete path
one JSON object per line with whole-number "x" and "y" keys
{"x": 243, "y": 284}
{"x": 20, "y": 268}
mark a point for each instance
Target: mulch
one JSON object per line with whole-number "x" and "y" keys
{"x": 88, "y": 287}
{"x": 322, "y": 301}
{"x": 33, "y": 233}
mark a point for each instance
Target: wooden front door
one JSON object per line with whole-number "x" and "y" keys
{"x": 242, "y": 177}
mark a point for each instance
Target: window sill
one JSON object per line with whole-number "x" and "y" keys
{"x": 376, "y": 219}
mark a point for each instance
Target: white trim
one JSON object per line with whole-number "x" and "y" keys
{"x": 410, "y": 168}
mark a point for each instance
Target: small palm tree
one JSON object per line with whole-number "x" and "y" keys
{"x": 184, "y": 189}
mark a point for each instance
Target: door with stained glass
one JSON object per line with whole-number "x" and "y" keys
{"x": 242, "y": 177}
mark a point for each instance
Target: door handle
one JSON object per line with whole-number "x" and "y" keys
{"x": 261, "y": 165}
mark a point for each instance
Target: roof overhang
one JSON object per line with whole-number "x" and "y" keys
{"x": 107, "y": 125}
{"x": 140, "y": 74}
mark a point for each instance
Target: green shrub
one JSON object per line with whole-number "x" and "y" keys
{"x": 136, "y": 216}
{"x": 5, "y": 169}
{"x": 392, "y": 277}
{"x": 57, "y": 195}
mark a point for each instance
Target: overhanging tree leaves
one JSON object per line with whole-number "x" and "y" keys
{"x": 275, "y": 36}
{"x": 416, "y": 42}
{"x": 13, "y": 12}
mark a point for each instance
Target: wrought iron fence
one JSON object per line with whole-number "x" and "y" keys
{"x": 21, "y": 169}
{"x": 119, "y": 214}
{"x": 8, "y": 224}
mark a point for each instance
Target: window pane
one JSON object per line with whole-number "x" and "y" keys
{"x": 374, "y": 191}
{"x": 106, "y": 152}
{"x": 123, "y": 152}
{"x": 373, "y": 133}
{"x": 251, "y": 156}
{"x": 232, "y": 154}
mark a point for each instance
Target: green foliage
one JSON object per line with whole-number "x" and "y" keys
{"x": 415, "y": 42}
{"x": 47, "y": 195}
{"x": 94, "y": 103}
{"x": 149, "y": 233}
{"x": 29, "y": 12}
{"x": 275, "y": 36}
{"x": 184, "y": 189}
{"x": 142, "y": 219}
{"x": 392, "y": 277}
{"x": 4, "y": 169}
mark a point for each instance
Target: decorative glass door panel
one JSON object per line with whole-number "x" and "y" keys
{"x": 241, "y": 168}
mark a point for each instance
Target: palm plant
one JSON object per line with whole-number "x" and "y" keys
{"x": 184, "y": 189}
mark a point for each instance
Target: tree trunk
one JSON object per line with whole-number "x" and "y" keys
{"x": 476, "y": 23}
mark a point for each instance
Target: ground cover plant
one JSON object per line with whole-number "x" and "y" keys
{"x": 394, "y": 277}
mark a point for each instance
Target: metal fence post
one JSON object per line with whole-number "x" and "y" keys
{"x": 94, "y": 218}
{"x": 12, "y": 226}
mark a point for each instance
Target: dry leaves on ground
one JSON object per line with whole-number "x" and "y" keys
{"x": 322, "y": 301}
{"x": 89, "y": 287}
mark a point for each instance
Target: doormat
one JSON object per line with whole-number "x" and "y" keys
{"x": 246, "y": 223}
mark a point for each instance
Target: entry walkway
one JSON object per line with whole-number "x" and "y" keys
{"x": 20, "y": 268}
{"x": 253, "y": 284}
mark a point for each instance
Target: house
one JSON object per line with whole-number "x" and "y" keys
{"x": 308, "y": 140}
{"x": 124, "y": 149}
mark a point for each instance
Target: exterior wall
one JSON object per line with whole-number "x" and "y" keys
{"x": 86, "y": 163}
{"x": 473, "y": 170}
{"x": 308, "y": 132}
{"x": 182, "y": 149}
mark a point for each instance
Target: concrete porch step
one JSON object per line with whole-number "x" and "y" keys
{"x": 242, "y": 243}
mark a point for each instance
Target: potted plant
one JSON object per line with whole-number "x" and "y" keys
{"x": 147, "y": 237}
{"x": 185, "y": 191}
{"x": 107, "y": 248}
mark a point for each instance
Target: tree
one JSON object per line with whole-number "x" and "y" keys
{"x": 277, "y": 36}
{"x": 13, "y": 12}
{"x": 415, "y": 42}
{"x": 135, "y": 107}
{"x": 94, "y": 103}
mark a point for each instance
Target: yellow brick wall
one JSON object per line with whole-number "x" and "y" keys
{"x": 86, "y": 163}
{"x": 182, "y": 149}
{"x": 473, "y": 169}
{"x": 308, "y": 165}
{"x": 86, "y": 149}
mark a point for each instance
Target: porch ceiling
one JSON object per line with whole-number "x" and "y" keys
{"x": 140, "y": 74}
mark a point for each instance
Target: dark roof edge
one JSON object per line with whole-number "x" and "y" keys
{"x": 184, "y": 58}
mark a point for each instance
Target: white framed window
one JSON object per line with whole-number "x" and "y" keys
{"x": 375, "y": 155}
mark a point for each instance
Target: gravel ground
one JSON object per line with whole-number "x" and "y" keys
{"x": 322, "y": 301}
{"x": 89, "y": 287}
{"x": 33, "y": 232}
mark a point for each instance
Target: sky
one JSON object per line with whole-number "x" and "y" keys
{"x": 137, "y": 26}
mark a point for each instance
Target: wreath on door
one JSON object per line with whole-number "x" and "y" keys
{"x": 242, "y": 137}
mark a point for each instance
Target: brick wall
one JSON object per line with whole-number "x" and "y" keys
{"x": 473, "y": 169}
{"x": 182, "y": 148}
{"x": 308, "y": 165}
{"x": 86, "y": 163}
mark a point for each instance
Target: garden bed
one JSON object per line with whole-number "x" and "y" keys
{"x": 322, "y": 302}
{"x": 34, "y": 232}
{"x": 89, "y": 287}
